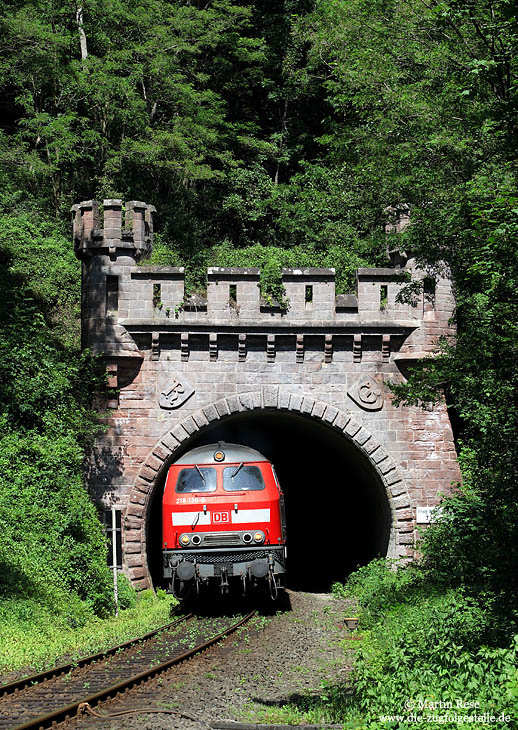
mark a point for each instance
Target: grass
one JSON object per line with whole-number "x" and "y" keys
{"x": 34, "y": 645}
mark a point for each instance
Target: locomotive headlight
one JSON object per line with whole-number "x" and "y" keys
{"x": 185, "y": 540}
{"x": 259, "y": 537}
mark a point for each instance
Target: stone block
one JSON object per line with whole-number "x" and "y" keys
{"x": 137, "y": 573}
{"x": 270, "y": 396}
{"x": 180, "y": 433}
{"x": 406, "y": 526}
{"x": 330, "y": 414}
{"x": 352, "y": 427}
{"x": 142, "y": 485}
{"x": 387, "y": 465}
{"x": 222, "y": 407}
{"x": 154, "y": 463}
{"x": 211, "y": 413}
{"x": 362, "y": 436}
{"x": 284, "y": 398}
{"x": 133, "y": 547}
{"x": 307, "y": 404}
{"x": 401, "y": 502}
{"x": 169, "y": 442}
{"x": 233, "y": 404}
{"x": 147, "y": 473}
{"x": 406, "y": 538}
{"x": 295, "y": 402}
{"x": 397, "y": 487}
{"x": 132, "y": 536}
{"x": 137, "y": 498}
{"x": 161, "y": 453}
{"x": 134, "y": 560}
{"x": 379, "y": 455}
{"x": 141, "y": 585}
{"x": 318, "y": 409}
{"x": 189, "y": 425}
{"x": 135, "y": 510}
{"x": 200, "y": 418}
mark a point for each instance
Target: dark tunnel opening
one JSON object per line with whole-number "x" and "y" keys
{"x": 337, "y": 512}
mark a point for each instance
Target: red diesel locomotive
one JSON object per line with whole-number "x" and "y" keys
{"x": 223, "y": 521}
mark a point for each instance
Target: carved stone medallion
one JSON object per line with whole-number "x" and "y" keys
{"x": 368, "y": 393}
{"x": 176, "y": 394}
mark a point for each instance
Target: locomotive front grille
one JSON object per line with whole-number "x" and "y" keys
{"x": 223, "y": 539}
{"x": 231, "y": 557}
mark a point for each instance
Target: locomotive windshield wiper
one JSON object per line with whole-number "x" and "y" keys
{"x": 236, "y": 471}
{"x": 200, "y": 473}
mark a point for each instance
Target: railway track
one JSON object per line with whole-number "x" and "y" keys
{"x": 41, "y": 701}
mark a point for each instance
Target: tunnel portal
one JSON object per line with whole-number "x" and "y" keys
{"x": 337, "y": 511}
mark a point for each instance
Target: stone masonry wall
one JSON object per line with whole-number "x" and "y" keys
{"x": 174, "y": 365}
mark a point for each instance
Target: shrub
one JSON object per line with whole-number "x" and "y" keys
{"x": 421, "y": 644}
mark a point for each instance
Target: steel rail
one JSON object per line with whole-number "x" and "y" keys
{"x": 67, "y": 712}
{"x": 24, "y": 682}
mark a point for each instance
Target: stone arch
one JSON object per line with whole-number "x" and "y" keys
{"x": 271, "y": 398}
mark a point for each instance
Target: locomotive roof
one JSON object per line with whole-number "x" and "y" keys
{"x": 233, "y": 453}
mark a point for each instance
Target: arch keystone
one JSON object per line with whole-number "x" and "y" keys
{"x": 270, "y": 396}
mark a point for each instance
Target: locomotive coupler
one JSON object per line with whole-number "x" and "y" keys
{"x": 224, "y": 579}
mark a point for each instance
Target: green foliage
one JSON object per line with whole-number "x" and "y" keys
{"x": 36, "y": 633}
{"x": 126, "y": 593}
{"x": 474, "y": 543}
{"x": 421, "y": 644}
{"x": 52, "y": 552}
{"x": 50, "y": 532}
{"x": 378, "y": 585}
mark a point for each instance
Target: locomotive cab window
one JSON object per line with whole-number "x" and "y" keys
{"x": 196, "y": 479}
{"x": 242, "y": 478}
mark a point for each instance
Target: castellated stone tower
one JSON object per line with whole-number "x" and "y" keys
{"x": 108, "y": 253}
{"x": 308, "y": 385}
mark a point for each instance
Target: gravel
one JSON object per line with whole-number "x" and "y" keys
{"x": 278, "y": 659}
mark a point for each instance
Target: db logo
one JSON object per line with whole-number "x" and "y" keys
{"x": 220, "y": 517}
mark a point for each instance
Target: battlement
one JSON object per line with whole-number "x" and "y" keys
{"x": 134, "y": 233}
{"x": 126, "y": 306}
{"x": 234, "y": 297}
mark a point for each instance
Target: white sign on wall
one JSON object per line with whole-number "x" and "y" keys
{"x": 425, "y": 515}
